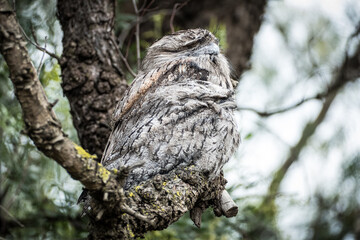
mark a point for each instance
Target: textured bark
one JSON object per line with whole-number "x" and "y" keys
{"x": 90, "y": 64}
{"x": 158, "y": 203}
{"x": 41, "y": 123}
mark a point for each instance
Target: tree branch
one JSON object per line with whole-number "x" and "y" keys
{"x": 127, "y": 64}
{"x": 137, "y": 34}
{"x": 308, "y": 131}
{"x": 157, "y": 203}
{"x": 318, "y": 96}
{"x": 42, "y": 58}
{"x": 16, "y": 221}
{"x": 41, "y": 124}
{"x": 177, "y": 6}
{"x": 349, "y": 71}
{"x": 43, "y": 49}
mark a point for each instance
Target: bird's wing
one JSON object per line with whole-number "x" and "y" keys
{"x": 137, "y": 89}
{"x": 171, "y": 126}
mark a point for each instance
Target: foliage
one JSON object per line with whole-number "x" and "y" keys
{"x": 337, "y": 213}
{"x": 38, "y": 198}
{"x": 35, "y": 191}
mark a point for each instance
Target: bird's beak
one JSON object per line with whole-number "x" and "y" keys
{"x": 210, "y": 49}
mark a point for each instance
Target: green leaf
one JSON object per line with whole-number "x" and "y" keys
{"x": 248, "y": 136}
{"x": 52, "y": 75}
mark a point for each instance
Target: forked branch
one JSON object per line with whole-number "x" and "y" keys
{"x": 41, "y": 124}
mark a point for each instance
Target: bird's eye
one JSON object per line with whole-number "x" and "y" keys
{"x": 195, "y": 43}
{"x": 191, "y": 44}
{"x": 169, "y": 50}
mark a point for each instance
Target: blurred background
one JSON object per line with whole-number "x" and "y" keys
{"x": 291, "y": 181}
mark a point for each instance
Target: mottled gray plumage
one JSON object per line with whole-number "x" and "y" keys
{"x": 177, "y": 112}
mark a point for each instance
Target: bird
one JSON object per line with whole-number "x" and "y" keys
{"x": 178, "y": 111}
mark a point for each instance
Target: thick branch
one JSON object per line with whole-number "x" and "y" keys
{"x": 90, "y": 65}
{"x": 41, "y": 123}
{"x": 159, "y": 202}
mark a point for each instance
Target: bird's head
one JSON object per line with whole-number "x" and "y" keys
{"x": 186, "y": 41}
{"x": 183, "y": 44}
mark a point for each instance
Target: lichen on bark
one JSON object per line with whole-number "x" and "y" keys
{"x": 159, "y": 202}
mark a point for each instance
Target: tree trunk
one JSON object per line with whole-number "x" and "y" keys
{"x": 90, "y": 65}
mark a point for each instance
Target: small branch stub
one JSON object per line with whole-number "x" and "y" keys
{"x": 228, "y": 206}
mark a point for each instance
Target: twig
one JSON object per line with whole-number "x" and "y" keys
{"x": 127, "y": 64}
{"x": 128, "y": 46}
{"x": 38, "y": 47}
{"x": 282, "y": 110}
{"x": 176, "y": 7}
{"x": 146, "y": 8}
{"x": 334, "y": 87}
{"x": 172, "y": 17}
{"x": 124, "y": 59}
{"x": 125, "y": 32}
{"x": 143, "y": 6}
{"x": 42, "y": 58}
{"x": 33, "y": 34}
{"x": 126, "y": 209}
{"x": 10, "y": 215}
{"x": 352, "y": 36}
{"x": 44, "y": 129}
{"x": 137, "y": 34}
